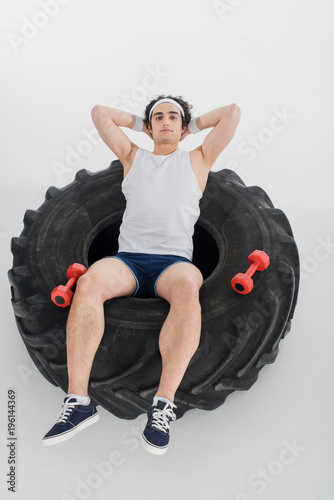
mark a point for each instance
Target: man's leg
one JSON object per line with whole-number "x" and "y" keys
{"x": 105, "y": 279}
{"x": 178, "y": 341}
{"x": 180, "y": 334}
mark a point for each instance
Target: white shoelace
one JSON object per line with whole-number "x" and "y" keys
{"x": 161, "y": 418}
{"x": 66, "y": 411}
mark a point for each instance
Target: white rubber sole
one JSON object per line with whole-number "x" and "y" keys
{"x": 69, "y": 434}
{"x": 156, "y": 450}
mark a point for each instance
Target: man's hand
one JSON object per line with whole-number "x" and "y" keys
{"x": 146, "y": 131}
{"x": 185, "y": 133}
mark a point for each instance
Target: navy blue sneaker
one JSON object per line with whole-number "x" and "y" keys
{"x": 74, "y": 417}
{"x": 155, "y": 437}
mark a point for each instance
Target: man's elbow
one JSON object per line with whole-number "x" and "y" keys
{"x": 230, "y": 113}
{"x": 100, "y": 117}
{"x": 235, "y": 110}
{"x": 235, "y": 114}
{"x": 96, "y": 111}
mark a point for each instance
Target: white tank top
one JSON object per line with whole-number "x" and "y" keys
{"x": 162, "y": 205}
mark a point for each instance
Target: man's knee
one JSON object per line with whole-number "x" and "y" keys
{"x": 185, "y": 289}
{"x": 86, "y": 285}
{"x": 90, "y": 286}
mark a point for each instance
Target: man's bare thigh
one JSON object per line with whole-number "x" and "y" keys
{"x": 175, "y": 272}
{"x": 112, "y": 277}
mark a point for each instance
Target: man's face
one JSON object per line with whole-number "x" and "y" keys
{"x": 166, "y": 122}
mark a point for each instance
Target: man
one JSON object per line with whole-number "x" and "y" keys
{"x": 162, "y": 189}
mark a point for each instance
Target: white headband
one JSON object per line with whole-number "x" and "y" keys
{"x": 166, "y": 100}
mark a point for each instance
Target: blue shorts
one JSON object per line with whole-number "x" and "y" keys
{"x": 146, "y": 268}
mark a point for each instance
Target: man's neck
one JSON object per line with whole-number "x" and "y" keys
{"x": 164, "y": 149}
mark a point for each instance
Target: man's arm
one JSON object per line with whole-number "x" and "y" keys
{"x": 225, "y": 121}
{"x": 108, "y": 122}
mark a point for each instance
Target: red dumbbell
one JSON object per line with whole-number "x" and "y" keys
{"x": 62, "y": 295}
{"x": 243, "y": 283}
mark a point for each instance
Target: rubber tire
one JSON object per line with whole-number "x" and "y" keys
{"x": 240, "y": 334}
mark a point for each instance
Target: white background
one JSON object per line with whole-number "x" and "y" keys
{"x": 265, "y": 56}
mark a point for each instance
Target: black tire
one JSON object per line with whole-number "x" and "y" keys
{"x": 240, "y": 334}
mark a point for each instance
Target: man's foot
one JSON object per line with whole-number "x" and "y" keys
{"x": 155, "y": 437}
{"x": 74, "y": 417}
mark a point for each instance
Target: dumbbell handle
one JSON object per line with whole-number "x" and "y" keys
{"x": 72, "y": 281}
{"x": 252, "y": 269}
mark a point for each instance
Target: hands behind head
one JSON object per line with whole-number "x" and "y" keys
{"x": 146, "y": 131}
{"x": 185, "y": 133}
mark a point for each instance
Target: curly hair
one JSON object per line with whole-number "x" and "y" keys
{"x": 179, "y": 99}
